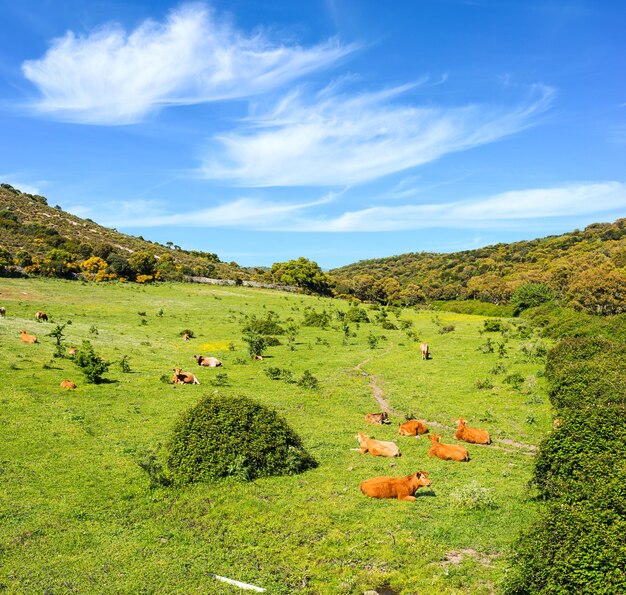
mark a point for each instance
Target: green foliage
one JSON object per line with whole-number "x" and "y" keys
{"x": 92, "y": 366}
{"x": 264, "y": 326}
{"x": 530, "y": 295}
{"x": 124, "y": 365}
{"x": 372, "y": 340}
{"x": 578, "y": 544}
{"x": 307, "y": 380}
{"x": 302, "y": 273}
{"x": 356, "y": 314}
{"x": 57, "y": 334}
{"x": 492, "y": 325}
{"x": 234, "y": 436}
{"x": 314, "y": 318}
{"x": 256, "y": 343}
{"x": 472, "y": 497}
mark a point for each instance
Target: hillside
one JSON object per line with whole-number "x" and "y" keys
{"x": 585, "y": 268}
{"x": 44, "y": 240}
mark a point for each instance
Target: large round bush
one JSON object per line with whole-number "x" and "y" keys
{"x": 234, "y": 436}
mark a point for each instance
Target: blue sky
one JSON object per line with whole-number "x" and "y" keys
{"x": 338, "y": 130}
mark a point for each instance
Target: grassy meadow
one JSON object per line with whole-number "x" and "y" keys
{"x": 78, "y": 512}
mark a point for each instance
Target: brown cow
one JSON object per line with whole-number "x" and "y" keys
{"x": 3, "y": 311}
{"x": 473, "y": 435}
{"x": 424, "y": 350}
{"x": 41, "y": 316}
{"x": 401, "y": 488}
{"x": 378, "y": 448}
{"x": 207, "y": 362}
{"x": 447, "y": 452}
{"x": 67, "y": 384}
{"x": 27, "y": 338}
{"x": 412, "y": 427}
{"x": 72, "y": 351}
{"x": 181, "y": 377}
{"x": 377, "y": 418}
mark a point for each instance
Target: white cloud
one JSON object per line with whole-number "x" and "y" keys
{"x": 246, "y": 213}
{"x": 508, "y": 210}
{"x": 113, "y": 77}
{"x": 505, "y": 210}
{"x": 342, "y": 140}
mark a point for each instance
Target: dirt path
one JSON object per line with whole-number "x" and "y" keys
{"x": 377, "y": 391}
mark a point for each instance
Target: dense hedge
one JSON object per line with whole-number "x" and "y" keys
{"x": 473, "y": 307}
{"x": 234, "y": 436}
{"x": 579, "y": 543}
{"x": 560, "y": 322}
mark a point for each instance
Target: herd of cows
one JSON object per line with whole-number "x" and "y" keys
{"x": 402, "y": 488}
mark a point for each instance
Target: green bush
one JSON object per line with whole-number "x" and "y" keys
{"x": 492, "y": 325}
{"x": 234, "y": 436}
{"x": 530, "y": 295}
{"x": 356, "y": 314}
{"x": 92, "y": 366}
{"x": 313, "y": 318}
{"x": 264, "y": 326}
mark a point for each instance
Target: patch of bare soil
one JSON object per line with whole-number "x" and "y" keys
{"x": 457, "y": 556}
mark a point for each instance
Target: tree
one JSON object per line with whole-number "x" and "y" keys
{"x": 530, "y": 295}
{"x": 600, "y": 290}
{"x": 142, "y": 263}
{"x": 302, "y": 273}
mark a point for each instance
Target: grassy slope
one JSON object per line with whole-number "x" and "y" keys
{"x": 77, "y": 512}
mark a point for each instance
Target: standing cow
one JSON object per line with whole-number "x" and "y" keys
{"x": 424, "y": 350}
{"x": 41, "y": 316}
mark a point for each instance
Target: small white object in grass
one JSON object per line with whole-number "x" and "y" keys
{"x": 230, "y": 581}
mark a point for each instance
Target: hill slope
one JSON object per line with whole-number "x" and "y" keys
{"x": 576, "y": 266}
{"x": 43, "y": 239}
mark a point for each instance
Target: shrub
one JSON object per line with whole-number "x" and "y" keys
{"x": 492, "y": 325}
{"x": 264, "y": 326}
{"x": 472, "y": 497}
{"x": 307, "y": 380}
{"x": 234, "y": 436}
{"x": 515, "y": 380}
{"x": 485, "y": 384}
{"x": 356, "y": 314}
{"x": 530, "y": 295}
{"x": 124, "y": 365}
{"x": 446, "y": 329}
{"x": 91, "y": 365}
{"x": 256, "y": 344}
{"x": 187, "y": 332}
{"x": 313, "y": 318}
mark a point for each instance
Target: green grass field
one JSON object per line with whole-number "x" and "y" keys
{"x": 78, "y": 513}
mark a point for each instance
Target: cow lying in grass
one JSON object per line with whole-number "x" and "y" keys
{"x": 378, "y": 448}
{"x": 412, "y": 427}
{"x": 24, "y": 337}
{"x": 207, "y": 362}
{"x": 447, "y": 452}
{"x": 402, "y": 488}
{"x": 67, "y": 384}
{"x": 472, "y": 435}
{"x": 181, "y": 377}
{"x": 377, "y": 418}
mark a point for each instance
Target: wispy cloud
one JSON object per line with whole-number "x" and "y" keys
{"x": 244, "y": 213}
{"x": 505, "y": 210}
{"x": 341, "y": 140}
{"x": 113, "y": 77}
